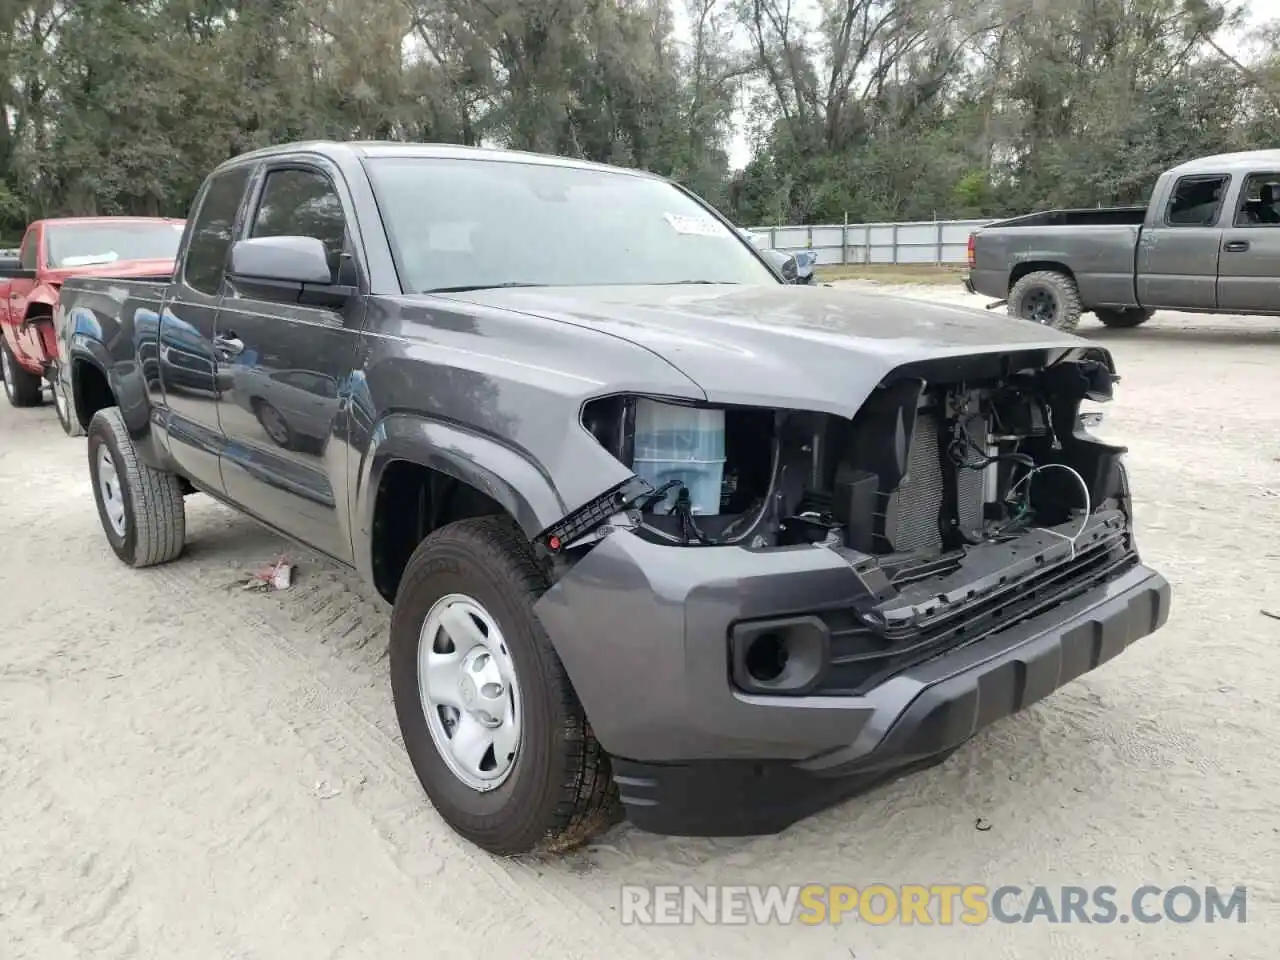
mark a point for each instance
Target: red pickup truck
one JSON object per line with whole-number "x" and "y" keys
{"x": 52, "y": 251}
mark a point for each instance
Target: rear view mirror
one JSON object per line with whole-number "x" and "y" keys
{"x": 281, "y": 260}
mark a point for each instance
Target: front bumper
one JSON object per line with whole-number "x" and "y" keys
{"x": 642, "y": 630}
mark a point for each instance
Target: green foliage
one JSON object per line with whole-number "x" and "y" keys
{"x": 870, "y": 109}
{"x": 914, "y": 109}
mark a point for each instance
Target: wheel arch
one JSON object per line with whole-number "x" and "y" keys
{"x": 1028, "y": 267}
{"x": 91, "y": 387}
{"x": 424, "y": 473}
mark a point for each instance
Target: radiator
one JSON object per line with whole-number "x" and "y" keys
{"x": 912, "y": 511}
{"x": 911, "y": 516}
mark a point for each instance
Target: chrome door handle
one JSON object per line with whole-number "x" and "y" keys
{"x": 1236, "y": 246}
{"x": 231, "y": 345}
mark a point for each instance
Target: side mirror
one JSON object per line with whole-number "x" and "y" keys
{"x": 281, "y": 260}
{"x": 11, "y": 269}
{"x": 785, "y": 264}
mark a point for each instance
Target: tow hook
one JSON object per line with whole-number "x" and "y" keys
{"x": 996, "y": 303}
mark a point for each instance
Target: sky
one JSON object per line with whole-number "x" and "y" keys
{"x": 1258, "y": 11}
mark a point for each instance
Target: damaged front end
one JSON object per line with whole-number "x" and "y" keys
{"x": 964, "y": 496}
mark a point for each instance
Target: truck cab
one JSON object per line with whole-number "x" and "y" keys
{"x": 1211, "y": 238}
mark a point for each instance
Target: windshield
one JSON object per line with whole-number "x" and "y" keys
{"x": 88, "y": 244}
{"x": 484, "y": 223}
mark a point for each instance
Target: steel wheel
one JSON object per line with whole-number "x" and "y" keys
{"x": 109, "y": 485}
{"x": 467, "y": 683}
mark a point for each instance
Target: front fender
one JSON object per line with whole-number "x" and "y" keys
{"x": 44, "y": 294}
{"x": 522, "y": 488}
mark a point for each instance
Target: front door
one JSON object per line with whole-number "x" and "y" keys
{"x": 184, "y": 329}
{"x": 1177, "y": 264}
{"x": 283, "y": 365}
{"x": 1249, "y": 265}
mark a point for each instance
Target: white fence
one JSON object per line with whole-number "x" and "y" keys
{"x": 927, "y": 241}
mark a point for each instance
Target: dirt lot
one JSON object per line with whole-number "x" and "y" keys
{"x": 191, "y": 771}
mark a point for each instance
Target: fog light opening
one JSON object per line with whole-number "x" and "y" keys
{"x": 766, "y": 658}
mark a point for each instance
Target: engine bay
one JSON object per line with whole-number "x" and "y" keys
{"x": 964, "y": 495}
{"x": 930, "y": 466}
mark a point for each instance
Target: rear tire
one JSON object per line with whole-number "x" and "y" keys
{"x": 23, "y": 389}
{"x": 557, "y": 790}
{"x": 1123, "y": 319}
{"x": 67, "y": 417}
{"x": 1047, "y": 297}
{"x": 141, "y": 508}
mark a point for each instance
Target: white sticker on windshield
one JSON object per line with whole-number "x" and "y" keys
{"x": 696, "y": 226}
{"x": 90, "y": 259}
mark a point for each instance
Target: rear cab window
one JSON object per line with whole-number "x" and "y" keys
{"x": 1196, "y": 201}
{"x": 214, "y": 230}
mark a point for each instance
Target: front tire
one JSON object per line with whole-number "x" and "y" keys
{"x": 140, "y": 507}
{"x": 1124, "y": 319}
{"x": 24, "y": 389}
{"x": 1047, "y": 297}
{"x": 490, "y": 721}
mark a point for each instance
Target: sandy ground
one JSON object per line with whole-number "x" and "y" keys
{"x": 190, "y": 771}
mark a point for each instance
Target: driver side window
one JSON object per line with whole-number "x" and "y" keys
{"x": 303, "y": 203}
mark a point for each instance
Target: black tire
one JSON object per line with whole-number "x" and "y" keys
{"x": 559, "y": 791}
{"x": 1124, "y": 319}
{"x": 62, "y": 406}
{"x": 155, "y": 520}
{"x": 1047, "y": 297}
{"x": 273, "y": 424}
{"x": 23, "y": 389}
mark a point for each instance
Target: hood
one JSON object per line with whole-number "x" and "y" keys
{"x": 117, "y": 268}
{"x": 822, "y": 349}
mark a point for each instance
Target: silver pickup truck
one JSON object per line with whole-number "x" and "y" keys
{"x": 1207, "y": 242}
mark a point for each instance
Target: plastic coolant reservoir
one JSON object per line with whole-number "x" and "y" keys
{"x": 674, "y": 442}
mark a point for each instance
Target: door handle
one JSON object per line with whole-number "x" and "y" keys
{"x": 230, "y": 344}
{"x": 1236, "y": 246}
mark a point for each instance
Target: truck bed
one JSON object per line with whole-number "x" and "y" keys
{"x": 1089, "y": 217}
{"x": 1101, "y": 254}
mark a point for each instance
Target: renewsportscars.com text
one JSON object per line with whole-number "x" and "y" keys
{"x": 930, "y": 904}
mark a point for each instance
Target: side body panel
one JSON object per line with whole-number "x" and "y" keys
{"x": 1177, "y": 266}
{"x": 111, "y": 325}
{"x": 24, "y": 341}
{"x": 1249, "y": 264}
{"x": 1100, "y": 257}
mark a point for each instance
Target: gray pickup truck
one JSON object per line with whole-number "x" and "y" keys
{"x": 1207, "y": 242}
{"x": 655, "y": 526}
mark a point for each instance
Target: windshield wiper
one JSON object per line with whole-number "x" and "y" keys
{"x": 713, "y": 283}
{"x": 481, "y": 286}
